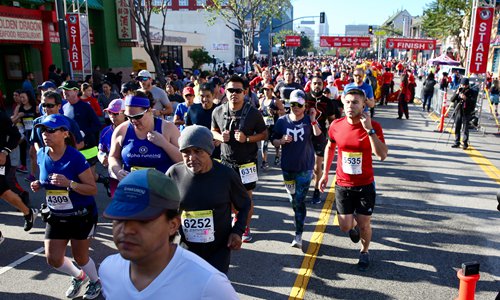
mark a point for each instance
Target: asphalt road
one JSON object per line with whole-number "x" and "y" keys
{"x": 436, "y": 208}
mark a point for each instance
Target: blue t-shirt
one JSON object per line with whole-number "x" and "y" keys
{"x": 105, "y": 139}
{"x": 71, "y": 164}
{"x": 36, "y": 134}
{"x": 181, "y": 112}
{"x": 198, "y": 115}
{"x": 365, "y": 87}
{"x": 298, "y": 155}
{"x": 86, "y": 119}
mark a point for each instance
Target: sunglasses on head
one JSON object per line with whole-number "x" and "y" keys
{"x": 50, "y": 130}
{"x": 296, "y": 104}
{"x": 136, "y": 117}
{"x": 233, "y": 91}
{"x": 49, "y": 105}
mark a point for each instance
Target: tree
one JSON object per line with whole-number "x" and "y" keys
{"x": 448, "y": 18}
{"x": 245, "y": 16}
{"x": 141, "y": 11}
{"x": 199, "y": 57}
{"x": 306, "y": 46}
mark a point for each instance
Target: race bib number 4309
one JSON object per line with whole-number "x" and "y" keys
{"x": 352, "y": 162}
{"x": 58, "y": 200}
{"x": 198, "y": 226}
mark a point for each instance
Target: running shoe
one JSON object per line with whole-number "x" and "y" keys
{"x": 247, "y": 236}
{"x": 264, "y": 165}
{"x": 364, "y": 261}
{"x": 93, "y": 290}
{"x": 76, "y": 285}
{"x": 1, "y": 238}
{"x": 30, "y": 218}
{"x": 354, "y": 234}
{"x": 297, "y": 241}
{"x": 277, "y": 160}
{"x": 22, "y": 169}
{"x": 316, "y": 198}
{"x": 455, "y": 145}
{"x": 465, "y": 146}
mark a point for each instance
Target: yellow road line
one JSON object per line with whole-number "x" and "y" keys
{"x": 302, "y": 280}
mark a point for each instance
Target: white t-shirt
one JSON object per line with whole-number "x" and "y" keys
{"x": 187, "y": 276}
{"x": 334, "y": 92}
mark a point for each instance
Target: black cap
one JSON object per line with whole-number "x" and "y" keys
{"x": 70, "y": 85}
{"x": 464, "y": 81}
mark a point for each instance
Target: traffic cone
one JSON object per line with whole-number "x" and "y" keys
{"x": 443, "y": 112}
{"x": 467, "y": 287}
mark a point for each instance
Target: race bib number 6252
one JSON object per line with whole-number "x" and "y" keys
{"x": 198, "y": 226}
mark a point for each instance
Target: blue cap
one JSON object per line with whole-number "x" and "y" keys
{"x": 47, "y": 85}
{"x": 143, "y": 195}
{"x": 137, "y": 101}
{"x": 54, "y": 121}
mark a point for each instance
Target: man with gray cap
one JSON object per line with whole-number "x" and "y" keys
{"x": 208, "y": 190}
{"x": 464, "y": 102}
{"x": 161, "y": 106}
{"x": 145, "y": 214}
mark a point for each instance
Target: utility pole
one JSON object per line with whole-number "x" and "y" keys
{"x": 63, "y": 38}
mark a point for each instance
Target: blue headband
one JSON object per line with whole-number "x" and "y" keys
{"x": 137, "y": 101}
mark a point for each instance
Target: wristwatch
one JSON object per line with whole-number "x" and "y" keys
{"x": 371, "y": 131}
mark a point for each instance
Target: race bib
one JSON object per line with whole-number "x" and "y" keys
{"x": 58, "y": 200}
{"x": 351, "y": 162}
{"x": 290, "y": 186}
{"x": 269, "y": 120}
{"x": 198, "y": 226}
{"x": 28, "y": 123}
{"x": 2, "y": 170}
{"x": 248, "y": 173}
{"x": 137, "y": 168}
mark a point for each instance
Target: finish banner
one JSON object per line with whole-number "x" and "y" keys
{"x": 75, "y": 43}
{"x": 292, "y": 41}
{"x": 345, "y": 41}
{"x": 410, "y": 44}
{"x": 481, "y": 35}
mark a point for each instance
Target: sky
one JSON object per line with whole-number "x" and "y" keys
{"x": 355, "y": 12}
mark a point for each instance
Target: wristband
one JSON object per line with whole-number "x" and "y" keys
{"x": 314, "y": 123}
{"x": 69, "y": 188}
{"x": 248, "y": 139}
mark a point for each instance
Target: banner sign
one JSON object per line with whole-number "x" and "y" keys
{"x": 345, "y": 41}
{"x": 292, "y": 41}
{"x": 481, "y": 35}
{"x": 13, "y": 29}
{"x": 410, "y": 44}
{"x": 123, "y": 20}
{"x": 75, "y": 43}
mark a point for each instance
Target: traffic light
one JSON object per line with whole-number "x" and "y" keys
{"x": 322, "y": 17}
{"x": 370, "y": 29}
{"x": 282, "y": 43}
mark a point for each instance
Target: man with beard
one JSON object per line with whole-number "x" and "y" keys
{"x": 161, "y": 106}
{"x": 326, "y": 110}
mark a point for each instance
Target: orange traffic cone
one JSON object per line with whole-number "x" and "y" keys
{"x": 467, "y": 286}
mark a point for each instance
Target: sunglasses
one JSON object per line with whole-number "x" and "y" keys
{"x": 49, "y": 105}
{"x": 50, "y": 130}
{"x": 136, "y": 117}
{"x": 233, "y": 91}
{"x": 296, "y": 104}
{"x": 142, "y": 78}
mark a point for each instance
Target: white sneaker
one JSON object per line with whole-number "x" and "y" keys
{"x": 297, "y": 241}
{"x": 1, "y": 238}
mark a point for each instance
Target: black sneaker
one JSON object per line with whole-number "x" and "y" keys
{"x": 30, "y": 218}
{"x": 354, "y": 234}
{"x": 455, "y": 145}
{"x": 277, "y": 160}
{"x": 364, "y": 261}
{"x": 1, "y": 238}
{"x": 316, "y": 198}
{"x": 465, "y": 147}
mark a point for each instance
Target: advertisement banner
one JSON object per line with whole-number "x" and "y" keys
{"x": 75, "y": 44}
{"x": 481, "y": 35}
{"x": 345, "y": 41}
{"x": 14, "y": 29}
{"x": 410, "y": 44}
{"x": 292, "y": 41}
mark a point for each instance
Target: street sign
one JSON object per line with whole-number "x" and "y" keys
{"x": 412, "y": 44}
{"x": 292, "y": 41}
{"x": 481, "y": 35}
{"x": 345, "y": 41}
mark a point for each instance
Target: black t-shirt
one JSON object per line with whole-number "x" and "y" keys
{"x": 225, "y": 119}
{"x": 325, "y": 107}
{"x": 196, "y": 114}
{"x": 283, "y": 90}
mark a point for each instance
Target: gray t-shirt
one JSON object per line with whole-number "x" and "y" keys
{"x": 160, "y": 96}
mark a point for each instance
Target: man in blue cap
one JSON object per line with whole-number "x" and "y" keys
{"x": 145, "y": 214}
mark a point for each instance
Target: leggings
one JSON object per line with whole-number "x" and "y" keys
{"x": 300, "y": 182}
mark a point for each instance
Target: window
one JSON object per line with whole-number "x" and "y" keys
{"x": 496, "y": 60}
{"x": 201, "y": 2}
{"x": 183, "y": 2}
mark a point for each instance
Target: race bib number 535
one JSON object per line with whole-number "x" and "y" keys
{"x": 198, "y": 226}
{"x": 352, "y": 162}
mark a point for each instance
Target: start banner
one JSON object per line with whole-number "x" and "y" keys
{"x": 481, "y": 35}
{"x": 345, "y": 41}
{"x": 410, "y": 44}
{"x": 75, "y": 42}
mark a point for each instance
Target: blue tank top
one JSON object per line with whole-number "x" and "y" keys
{"x": 139, "y": 154}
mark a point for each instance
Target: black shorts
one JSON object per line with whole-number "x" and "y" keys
{"x": 319, "y": 144}
{"x": 4, "y": 183}
{"x": 71, "y": 228}
{"x": 249, "y": 186}
{"x": 93, "y": 161}
{"x": 359, "y": 199}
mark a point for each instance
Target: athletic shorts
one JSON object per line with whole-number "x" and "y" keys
{"x": 319, "y": 147}
{"x": 4, "y": 184}
{"x": 93, "y": 161}
{"x": 249, "y": 186}
{"x": 71, "y": 228}
{"x": 359, "y": 199}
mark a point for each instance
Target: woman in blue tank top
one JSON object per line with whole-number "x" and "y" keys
{"x": 143, "y": 141}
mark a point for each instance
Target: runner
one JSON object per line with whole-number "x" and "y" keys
{"x": 357, "y": 137}
{"x": 208, "y": 190}
{"x": 182, "y": 108}
{"x": 294, "y": 132}
{"x": 70, "y": 209}
{"x": 239, "y": 127}
{"x": 271, "y": 109}
{"x": 145, "y": 214}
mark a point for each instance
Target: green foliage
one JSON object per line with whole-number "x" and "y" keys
{"x": 280, "y": 36}
{"x": 306, "y": 46}
{"x": 443, "y": 18}
{"x": 199, "y": 57}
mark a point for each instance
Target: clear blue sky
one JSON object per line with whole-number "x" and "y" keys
{"x": 355, "y": 12}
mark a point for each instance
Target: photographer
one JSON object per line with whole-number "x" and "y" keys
{"x": 464, "y": 102}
